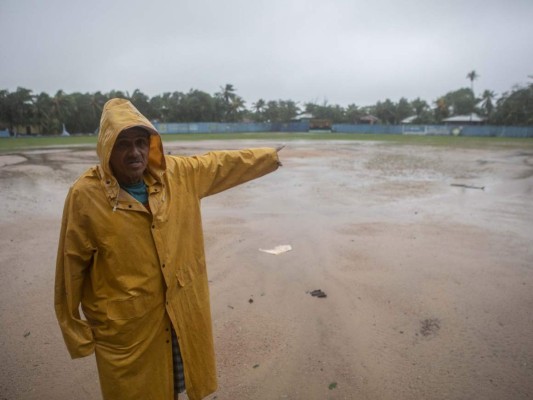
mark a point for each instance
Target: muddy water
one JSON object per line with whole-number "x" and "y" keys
{"x": 429, "y": 284}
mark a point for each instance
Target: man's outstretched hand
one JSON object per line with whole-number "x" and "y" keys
{"x": 278, "y": 149}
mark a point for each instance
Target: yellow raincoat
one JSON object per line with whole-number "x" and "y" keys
{"x": 136, "y": 272}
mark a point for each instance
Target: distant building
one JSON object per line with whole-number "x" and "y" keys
{"x": 304, "y": 117}
{"x": 26, "y": 130}
{"x": 409, "y": 120}
{"x": 472, "y": 119}
{"x": 314, "y": 123}
{"x": 369, "y": 119}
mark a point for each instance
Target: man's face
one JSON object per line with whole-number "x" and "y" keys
{"x": 129, "y": 156}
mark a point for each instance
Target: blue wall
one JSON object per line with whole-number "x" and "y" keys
{"x": 241, "y": 127}
{"x": 481, "y": 130}
{"x": 231, "y": 127}
{"x": 366, "y": 128}
{"x": 500, "y": 131}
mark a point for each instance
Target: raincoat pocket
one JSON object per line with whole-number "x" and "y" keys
{"x": 189, "y": 270}
{"x": 185, "y": 275}
{"x": 132, "y": 307}
{"x": 129, "y": 320}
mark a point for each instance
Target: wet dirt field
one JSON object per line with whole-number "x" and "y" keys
{"x": 424, "y": 253}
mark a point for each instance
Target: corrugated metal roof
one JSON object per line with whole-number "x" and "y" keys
{"x": 408, "y": 120}
{"x": 304, "y": 116}
{"x": 464, "y": 118}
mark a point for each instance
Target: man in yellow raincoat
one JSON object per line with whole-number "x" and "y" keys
{"x": 131, "y": 254}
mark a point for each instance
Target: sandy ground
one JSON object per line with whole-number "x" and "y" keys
{"x": 429, "y": 285}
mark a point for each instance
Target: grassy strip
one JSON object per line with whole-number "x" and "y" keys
{"x": 20, "y": 143}
{"x": 446, "y": 141}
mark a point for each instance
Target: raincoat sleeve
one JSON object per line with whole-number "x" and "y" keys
{"x": 74, "y": 256}
{"x": 221, "y": 170}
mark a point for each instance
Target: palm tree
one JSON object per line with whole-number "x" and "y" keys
{"x": 273, "y": 112}
{"x": 97, "y": 103}
{"x": 403, "y": 110}
{"x": 19, "y": 107}
{"x": 353, "y": 113}
{"x": 227, "y": 92}
{"x": 472, "y": 76}
{"x": 386, "y": 111}
{"x": 236, "y": 105}
{"x": 259, "y": 107}
{"x": 419, "y": 106}
{"x": 441, "y": 110}
{"x": 43, "y": 108}
{"x": 62, "y": 107}
{"x": 161, "y": 104}
{"x": 487, "y": 104}
{"x": 288, "y": 110}
{"x": 231, "y": 103}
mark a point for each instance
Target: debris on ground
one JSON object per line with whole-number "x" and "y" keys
{"x": 318, "y": 293}
{"x": 467, "y": 186}
{"x": 278, "y": 249}
{"x": 429, "y": 327}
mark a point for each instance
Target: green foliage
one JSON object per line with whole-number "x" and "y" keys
{"x": 16, "y": 108}
{"x": 487, "y": 103}
{"x": 277, "y": 111}
{"x": 23, "y": 111}
{"x": 142, "y": 103}
{"x": 230, "y": 107}
{"x": 422, "y": 111}
{"x": 515, "y": 108}
{"x": 461, "y": 101}
{"x": 259, "y": 109}
{"x": 334, "y": 113}
{"x": 352, "y": 114}
{"x": 386, "y": 112}
{"x": 403, "y": 110}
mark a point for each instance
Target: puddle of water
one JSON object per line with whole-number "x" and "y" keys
{"x": 11, "y": 160}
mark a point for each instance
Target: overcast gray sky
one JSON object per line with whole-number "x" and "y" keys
{"x": 338, "y": 51}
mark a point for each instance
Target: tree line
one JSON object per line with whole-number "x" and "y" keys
{"x": 27, "y": 112}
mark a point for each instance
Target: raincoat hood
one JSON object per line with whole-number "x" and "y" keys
{"x": 118, "y": 115}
